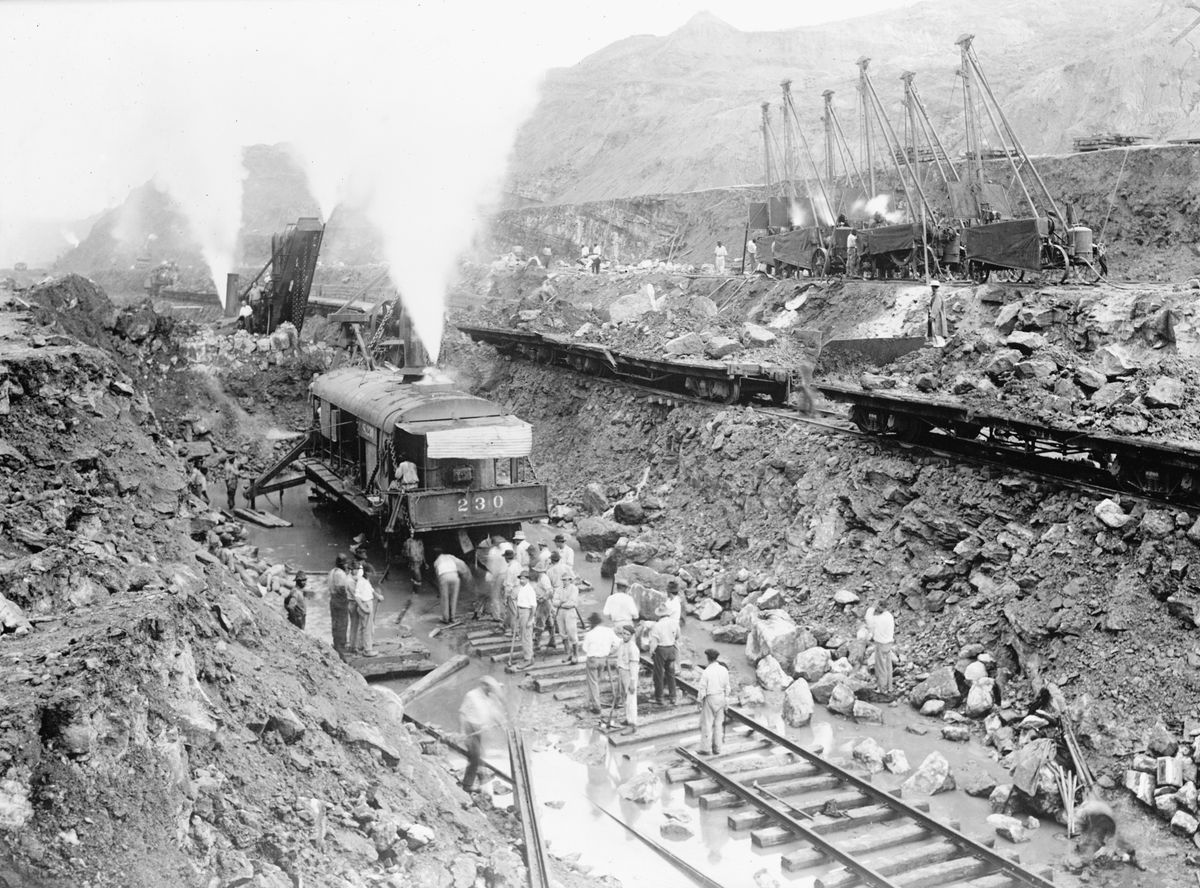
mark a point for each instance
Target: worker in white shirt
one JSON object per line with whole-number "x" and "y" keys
{"x": 521, "y": 547}
{"x": 628, "y": 665}
{"x": 673, "y": 606}
{"x": 599, "y": 644}
{"x": 713, "y": 693}
{"x": 565, "y": 601}
{"x": 621, "y": 609}
{"x": 882, "y": 626}
{"x": 525, "y": 600}
{"x": 661, "y": 645}
{"x": 564, "y": 550}
{"x": 450, "y": 571}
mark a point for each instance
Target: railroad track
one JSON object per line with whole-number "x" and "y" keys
{"x": 775, "y": 793}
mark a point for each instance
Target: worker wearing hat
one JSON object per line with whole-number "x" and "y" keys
{"x": 544, "y": 617}
{"x": 936, "y": 327}
{"x": 521, "y": 547}
{"x": 565, "y": 603}
{"x": 564, "y": 550}
{"x": 482, "y": 708}
{"x": 525, "y": 600}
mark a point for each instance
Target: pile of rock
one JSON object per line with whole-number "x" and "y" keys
{"x": 1163, "y": 777}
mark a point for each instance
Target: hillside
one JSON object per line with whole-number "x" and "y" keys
{"x": 678, "y": 113}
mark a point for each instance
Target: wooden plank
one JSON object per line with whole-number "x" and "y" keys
{"x": 262, "y": 519}
{"x": 422, "y": 685}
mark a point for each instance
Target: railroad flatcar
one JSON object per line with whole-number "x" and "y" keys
{"x": 469, "y": 474}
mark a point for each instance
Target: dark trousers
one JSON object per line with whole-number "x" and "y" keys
{"x": 474, "y": 741}
{"x": 339, "y": 616}
{"x": 664, "y": 672}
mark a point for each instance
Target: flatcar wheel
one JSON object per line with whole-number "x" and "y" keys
{"x": 819, "y": 266}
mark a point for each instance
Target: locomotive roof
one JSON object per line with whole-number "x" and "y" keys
{"x": 384, "y": 399}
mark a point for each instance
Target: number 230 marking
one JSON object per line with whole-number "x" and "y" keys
{"x": 479, "y": 503}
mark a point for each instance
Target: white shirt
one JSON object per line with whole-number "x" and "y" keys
{"x": 663, "y": 633}
{"x": 526, "y": 595}
{"x": 882, "y": 626}
{"x": 714, "y": 681}
{"x": 621, "y": 608}
{"x": 599, "y": 642}
{"x": 446, "y": 564}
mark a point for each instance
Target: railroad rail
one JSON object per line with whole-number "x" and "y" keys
{"x": 526, "y": 805}
{"x": 1164, "y": 472}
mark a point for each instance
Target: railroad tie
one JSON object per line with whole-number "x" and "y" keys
{"x": 874, "y": 840}
{"x": 928, "y": 859}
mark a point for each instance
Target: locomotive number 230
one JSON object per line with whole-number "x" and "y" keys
{"x": 480, "y": 503}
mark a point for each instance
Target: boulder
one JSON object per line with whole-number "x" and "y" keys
{"x": 980, "y": 698}
{"x": 896, "y": 761}
{"x": 1111, "y": 514}
{"x": 933, "y": 776}
{"x": 1165, "y": 392}
{"x": 755, "y": 336}
{"x": 1008, "y": 827}
{"x": 942, "y": 684}
{"x": 774, "y": 636}
{"x": 771, "y": 675}
{"x": 644, "y": 787}
{"x": 798, "y": 704}
{"x": 629, "y": 308}
{"x": 594, "y": 498}
{"x": 1026, "y": 343}
{"x": 842, "y": 700}
{"x": 870, "y": 753}
{"x": 813, "y": 663}
{"x": 687, "y": 344}
{"x": 721, "y": 347}
{"x": 596, "y": 534}
{"x": 629, "y": 511}
{"x": 866, "y": 713}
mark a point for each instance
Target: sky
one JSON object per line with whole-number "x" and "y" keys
{"x": 402, "y": 107}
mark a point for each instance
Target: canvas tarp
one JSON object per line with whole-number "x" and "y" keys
{"x": 888, "y": 238}
{"x": 1013, "y": 243}
{"x": 793, "y": 247}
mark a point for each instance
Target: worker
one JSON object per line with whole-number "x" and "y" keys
{"x": 937, "y": 329}
{"x": 366, "y": 600}
{"x": 521, "y": 547}
{"x": 512, "y": 578}
{"x": 673, "y": 606}
{"x": 293, "y": 603}
{"x": 751, "y": 257}
{"x": 629, "y": 659}
{"x": 414, "y": 555}
{"x": 882, "y": 626}
{"x": 565, "y": 601}
{"x": 720, "y": 253}
{"x": 198, "y": 482}
{"x": 450, "y": 571}
{"x": 713, "y": 693}
{"x": 620, "y": 608}
{"x": 661, "y": 644}
{"x": 599, "y": 644}
{"x": 494, "y": 579}
{"x": 340, "y": 593}
{"x": 525, "y": 601}
{"x": 482, "y": 708}
{"x": 564, "y": 549}
{"x": 231, "y": 484}
{"x": 407, "y": 477}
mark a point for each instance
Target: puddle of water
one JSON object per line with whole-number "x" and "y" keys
{"x": 317, "y": 535}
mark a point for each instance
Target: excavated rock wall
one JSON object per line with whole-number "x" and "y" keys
{"x": 1096, "y": 599}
